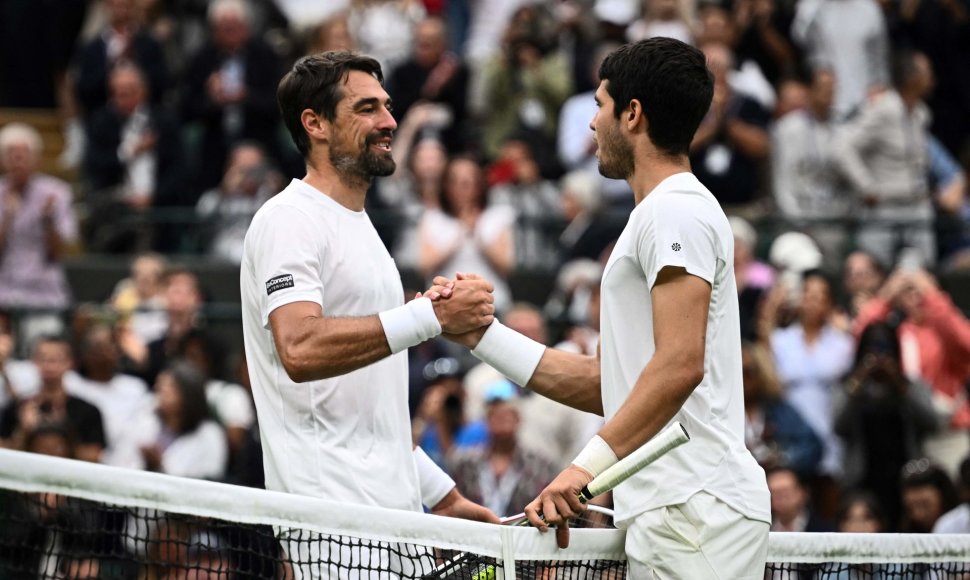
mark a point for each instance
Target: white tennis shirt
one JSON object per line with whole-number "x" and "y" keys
{"x": 346, "y": 438}
{"x": 681, "y": 224}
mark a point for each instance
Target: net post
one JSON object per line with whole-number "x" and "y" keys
{"x": 508, "y": 554}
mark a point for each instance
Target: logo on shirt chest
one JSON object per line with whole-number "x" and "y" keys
{"x": 279, "y": 283}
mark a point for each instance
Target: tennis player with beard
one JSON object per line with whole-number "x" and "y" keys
{"x": 325, "y": 325}
{"x": 670, "y": 340}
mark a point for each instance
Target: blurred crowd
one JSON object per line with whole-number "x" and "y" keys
{"x": 838, "y": 141}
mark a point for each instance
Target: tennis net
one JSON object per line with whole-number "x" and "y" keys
{"x": 73, "y": 520}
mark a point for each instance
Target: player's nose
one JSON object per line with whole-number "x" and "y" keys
{"x": 387, "y": 121}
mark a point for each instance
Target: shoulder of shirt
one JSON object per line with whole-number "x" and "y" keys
{"x": 792, "y": 120}
{"x": 675, "y": 197}
{"x": 131, "y": 382}
{"x": 785, "y": 333}
{"x": 83, "y": 403}
{"x": 290, "y": 199}
{"x": 51, "y": 182}
{"x": 467, "y": 454}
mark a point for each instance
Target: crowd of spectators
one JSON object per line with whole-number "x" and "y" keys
{"x": 844, "y": 124}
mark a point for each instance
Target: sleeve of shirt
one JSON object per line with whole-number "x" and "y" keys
{"x": 64, "y": 218}
{"x": 852, "y": 142}
{"x": 494, "y": 222}
{"x": 90, "y": 426}
{"x": 286, "y": 259}
{"x": 783, "y": 164}
{"x": 678, "y": 236}
{"x": 8, "y": 420}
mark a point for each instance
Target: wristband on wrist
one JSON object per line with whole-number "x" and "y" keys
{"x": 596, "y": 456}
{"x": 510, "y": 353}
{"x": 411, "y": 324}
{"x": 434, "y": 482}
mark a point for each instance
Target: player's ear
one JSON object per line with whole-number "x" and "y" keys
{"x": 316, "y": 127}
{"x": 633, "y": 116}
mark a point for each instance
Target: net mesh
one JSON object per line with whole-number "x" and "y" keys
{"x": 48, "y": 535}
{"x": 71, "y": 520}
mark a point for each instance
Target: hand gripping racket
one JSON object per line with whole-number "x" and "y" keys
{"x": 472, "y": 566}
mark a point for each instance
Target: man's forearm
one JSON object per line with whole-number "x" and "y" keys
{"x": 661, "y": 390}
{"x": 328, "y": 347}
{"x": 53, "y": 241}
{"x": 569, "y": 378}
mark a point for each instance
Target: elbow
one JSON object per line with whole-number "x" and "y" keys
{"x": 692, "y": 376}
{"x": 295, "y": 364}
{"x": 683, "y": 369}
{"x": 690, "y": 372}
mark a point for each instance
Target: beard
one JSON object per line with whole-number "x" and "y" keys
{"x": 364, "y": 165}
{"x": 616, "y": 155}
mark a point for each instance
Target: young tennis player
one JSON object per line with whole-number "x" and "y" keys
{"x": 670, "y": 340}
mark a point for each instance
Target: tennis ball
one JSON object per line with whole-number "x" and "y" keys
{"x": 486, "y": 573}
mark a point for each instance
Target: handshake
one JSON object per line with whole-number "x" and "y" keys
{"x": 465, "y": 306}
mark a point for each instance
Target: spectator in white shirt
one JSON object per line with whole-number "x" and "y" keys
{"x": 124, "y": 401}
{"x": 187, "y": 442}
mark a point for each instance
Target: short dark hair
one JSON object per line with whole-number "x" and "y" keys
{"x": 878, "y": 337}
{"x": 314, "y": 83}
{"x": 902, "y": 66}
{"x": 53, "y": 339}
{"x": 822, "y": 276}
{"x": 866, "y": 498}
{"x": 672, "y": 82}
{"x": 190, "y": 381}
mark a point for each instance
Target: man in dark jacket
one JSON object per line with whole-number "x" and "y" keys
{"x": 231, "y": 90}
{"x": 122, "y": 40}
{"x": 133, "y": 158}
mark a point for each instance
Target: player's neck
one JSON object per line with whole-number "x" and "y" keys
{"x": 347, "y": 191}
{"x": 651, "y": 169}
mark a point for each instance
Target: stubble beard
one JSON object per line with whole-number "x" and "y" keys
{"x": 357, "y": 170}
{"x": 616, "y": 155}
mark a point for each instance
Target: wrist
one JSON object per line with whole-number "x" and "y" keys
{"x": 470, "y": 339}
{"x": 510, "y": 353}
{"x": 596, "y": 457}
{"x": 410, "y": 324}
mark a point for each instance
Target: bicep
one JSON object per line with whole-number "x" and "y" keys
{"x": 287, "y": 250}
{"x": 287, "y": 322}
{"x": 680, "y": 307}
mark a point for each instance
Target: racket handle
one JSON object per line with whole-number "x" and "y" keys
{"x": 584, "y": 494}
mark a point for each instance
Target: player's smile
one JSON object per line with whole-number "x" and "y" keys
{"x": 380, "y": 142}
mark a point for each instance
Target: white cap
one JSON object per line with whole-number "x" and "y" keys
{"x": 621, "y": 12}
{"x": 743, "y": 231}
{"x": 796, "y": 252}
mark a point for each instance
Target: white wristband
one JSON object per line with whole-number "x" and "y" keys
{"x": 411, "y": 324}
{"x": 596, "y": 456}
{"x": 510, "y": 353}
{"x": 435, "y": 483}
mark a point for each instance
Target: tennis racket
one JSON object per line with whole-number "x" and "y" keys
{"x": 476, "y": 567}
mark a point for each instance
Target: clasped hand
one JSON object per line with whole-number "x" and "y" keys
{"x": 462, "y": 305}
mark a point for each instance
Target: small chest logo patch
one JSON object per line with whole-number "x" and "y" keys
{"x": 675, "y": 247}
{"x": 279, "y": 283}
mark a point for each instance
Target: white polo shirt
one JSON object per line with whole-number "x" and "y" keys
{"x": 346, "y": 438}
{"x": 681, "y": 224}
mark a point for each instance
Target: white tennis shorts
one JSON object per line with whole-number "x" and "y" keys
{"x": 699, "y": 539}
